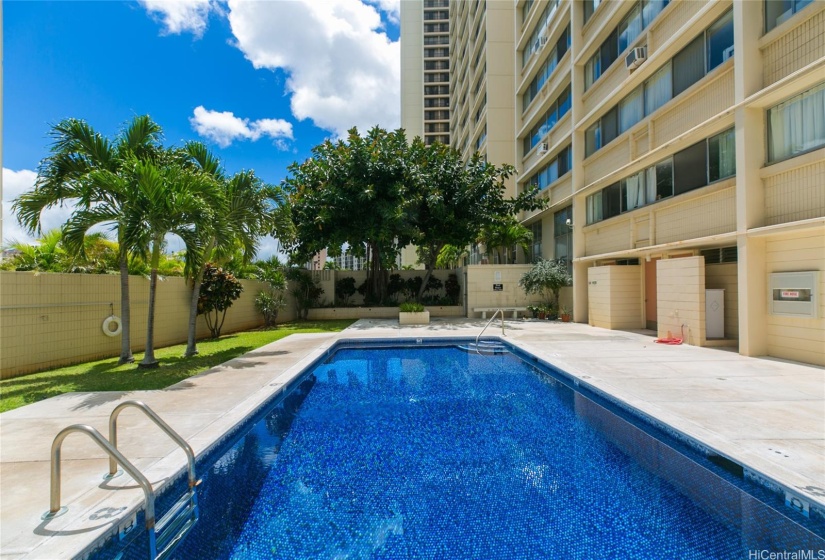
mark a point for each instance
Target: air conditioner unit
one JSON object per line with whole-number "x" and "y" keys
{"x": 727, "y": 53}
{"x": 635, "y": 57}
{"x": 543, "y": 148}
{"x": 542, "y": 41}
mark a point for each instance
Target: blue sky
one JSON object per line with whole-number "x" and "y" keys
{"x": 260, "y": 82}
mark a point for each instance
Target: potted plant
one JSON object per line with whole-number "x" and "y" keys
{"x": 411, "y": 313}
{"x": 542, "y": 312}
{"x": 534, "y": 310}
{"x": 564, "y": 314}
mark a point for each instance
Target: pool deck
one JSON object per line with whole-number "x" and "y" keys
{"x": 766, "y": 414}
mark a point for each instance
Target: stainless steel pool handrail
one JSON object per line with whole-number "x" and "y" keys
{"x": 167, "y": 429}
{"x": 501, "y": 311}
{"x": 114, "y": 457}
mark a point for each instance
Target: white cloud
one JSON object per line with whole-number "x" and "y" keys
{"x": 16, "y": 183}
{"x": 224, "y": 127}
{"x": 343, "y": 71}
{"x": 391, "y": 7}
{"x": 178, "y": 16}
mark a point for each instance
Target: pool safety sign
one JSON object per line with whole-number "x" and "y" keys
{"x": 498, "y": 287}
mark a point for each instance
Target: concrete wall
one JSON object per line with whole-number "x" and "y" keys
{"x": 796, "y": 338}
{"x": 480, "y": 280}
{"x": 330, "y": 313}
{"x": 615, "y": 297}
{"x": 792, "y": 46}
{"x": 49, "y": 320}
{"x": 327, "y": 278}
{"x": 725, "y": 277}
{"x": 681, "y": 298}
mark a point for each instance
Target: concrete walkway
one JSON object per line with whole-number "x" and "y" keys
{"x": 766, "y": 414}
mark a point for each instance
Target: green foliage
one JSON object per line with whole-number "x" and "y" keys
{"x": 411, "y": 307}
{"x": 108, "y": 375}
{"x": 269, "y": 304}
{"x": 505, "y": 235}
{"x": 353, "y": 192}
{"x": 453, "y": 289}
{"x": 546, "y": 278}
{"x": 219, "y": 290}
{"x": 306, "y": 290}
{"x": 344, "y": 290}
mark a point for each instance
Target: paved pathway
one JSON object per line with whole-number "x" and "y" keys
{"x": 766, "y": 414}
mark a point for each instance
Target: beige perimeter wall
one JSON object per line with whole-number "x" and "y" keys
{"x": 481, "y": 293}
{"x": 48, "y": 320}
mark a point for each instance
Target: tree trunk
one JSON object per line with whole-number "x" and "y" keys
{"x": 125, "y": 312}
{"x": 149, "y": 360}
{"x": 429, "y": 266}
{"x": 191, "y": 344}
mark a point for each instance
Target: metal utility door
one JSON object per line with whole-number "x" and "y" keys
{"x": 650, "y": 294}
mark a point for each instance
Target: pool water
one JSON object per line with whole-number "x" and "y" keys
{"x": 434, "y": 452}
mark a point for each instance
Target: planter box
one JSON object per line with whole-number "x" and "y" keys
{"x": 419, "y": 318}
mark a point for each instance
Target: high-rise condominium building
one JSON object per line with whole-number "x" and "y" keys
{"x": 425, "y": 70}
{"x": 681, "y": 147}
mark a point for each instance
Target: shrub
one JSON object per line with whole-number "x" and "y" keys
{"x": 219, "y": 290}
{"x": 453, "y": 289}
{"x": 546, "y": 279}
{"x": 411, "y": 307}
{"x": 268, "y": 304}
{"x": 307, "y": 290}
{"x": 344, "y": 289}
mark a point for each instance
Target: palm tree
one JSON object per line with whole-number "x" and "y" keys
{"x": 170, "y": 198}
{"x": 78, "y": 152}
{"x": 506, "y": 235}
{"x": 242, "y": 216}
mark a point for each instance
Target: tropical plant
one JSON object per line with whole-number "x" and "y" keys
{"x": 546, "y": 278}
{"x": 452, "y": 289}
{"x": 170, "y": 198}
{"x": 344, "y": 289}
{"x": 306, "y": 290}
{"x": 46, "y": 254}
{"x": 242, "y": 214}
{"x": 450, "y": 256}
{"x": 505, "y": 235}
{"x": 269, "y": 304}
{"x": 68, "y": 175}
{"x": 218, "y": 291}
{"x": 411, "y": 307}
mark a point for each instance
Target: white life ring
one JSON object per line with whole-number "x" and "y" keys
{"x": 107, "y": 325}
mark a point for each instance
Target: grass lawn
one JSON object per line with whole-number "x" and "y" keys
{"x": 106, "y": 375}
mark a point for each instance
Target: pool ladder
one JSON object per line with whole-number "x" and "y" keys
{"x": 488, "y": 347}
{"x": 169, "y": 530}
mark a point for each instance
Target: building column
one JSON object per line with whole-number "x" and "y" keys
{"x": 580, "y": 312}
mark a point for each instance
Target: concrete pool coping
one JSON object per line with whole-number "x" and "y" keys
{"x": 766, "y": 414}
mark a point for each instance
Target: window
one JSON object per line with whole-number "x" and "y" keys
{"x": 694, "y": 167}
{"x": 534, "y": 44}
{"x": 797, "y": 125}
{"x": 556, "y": 111}
{"x": 631, "y": 109}
{"x": 720, "y": 41}
{"x": 590, "y": 7}
{"x": 535, "y": 247}
{"x": 440, "y": 40}
{"x": 722, "y": 156}
{"x": 639, "y": 17}
{"x": 563, "y": 237}
{"x": 777, "y": 11}
{"x": 708, "y": 50}
{"x": 551, "y": 172}
{"x": 547, "y": 69}
{"x": 658, "y": 89}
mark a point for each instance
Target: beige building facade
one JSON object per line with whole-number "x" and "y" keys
{"x": 681, "y": 147}
{"x": 684, "y": 141}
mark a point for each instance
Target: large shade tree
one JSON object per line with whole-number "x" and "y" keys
{"x": 452, "y": 201}
{"x": 353, "y": 192}
{"x": 87, "y": 169}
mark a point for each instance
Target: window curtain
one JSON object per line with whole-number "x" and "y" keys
{"x": 727, "y": 154}
{"x": 630, "y": 28}
{"x": 635, "y": 191}
{"x": 797, "y": 125}
{"x": 658, "y": 89}
{"x": 631, "y": 110}
{"x": 813, "y": 111}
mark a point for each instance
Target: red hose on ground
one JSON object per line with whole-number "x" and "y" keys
{"x": 669, "y": 339}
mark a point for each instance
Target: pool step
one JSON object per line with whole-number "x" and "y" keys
{"x": 176, "y": 524}
{"x": 485, "y": 347}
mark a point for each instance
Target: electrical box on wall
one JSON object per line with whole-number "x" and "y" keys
{"x": 794, "y": 294}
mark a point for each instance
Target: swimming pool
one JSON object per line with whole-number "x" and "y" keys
{"x": 429, "y": 451}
